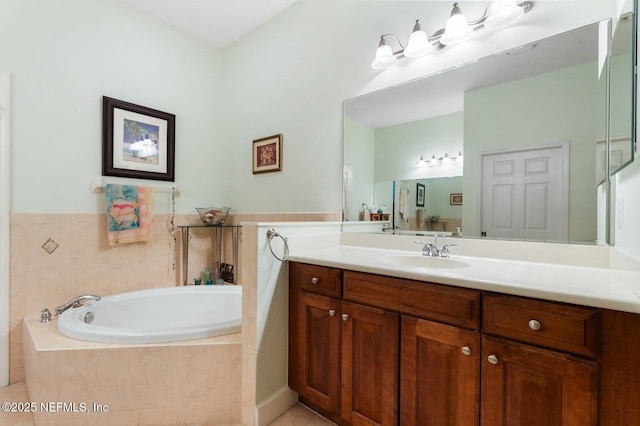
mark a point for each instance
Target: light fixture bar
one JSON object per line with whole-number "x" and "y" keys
{"x": 497, "y": 14}
{"x": 423, "y": 161}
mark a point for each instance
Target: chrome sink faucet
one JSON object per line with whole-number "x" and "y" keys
{"x": 75, "y": 302}
{"x": 428, "y": 249}
{"x": 432, "y": 250}
{"x": 388, "y": 228}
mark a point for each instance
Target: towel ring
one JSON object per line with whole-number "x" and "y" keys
{"x": 271, "y": 233}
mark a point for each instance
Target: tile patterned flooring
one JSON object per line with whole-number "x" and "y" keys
{"x": 14, "y": 393}
{"x": 298, "y": 415}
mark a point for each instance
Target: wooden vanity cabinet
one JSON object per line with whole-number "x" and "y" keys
{"x": 314, "y": 349}
{"x": 526, "y": 385}
{"x": 530, "y": 375}
{"x": 369, "y": 371}
{"x": 343, "y": 357}
{"x": 386, "y": 351}
{"x": 439, "y": 374}
{"x": 557, "y": 326}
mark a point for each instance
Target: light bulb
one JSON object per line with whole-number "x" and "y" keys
{"x": 419, "y": 44}
{"x": 456, "y": 29}
{"x": 384, "y": 56}
{"x": 503, "y": 13}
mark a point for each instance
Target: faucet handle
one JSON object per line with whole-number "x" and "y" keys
{"x": 444, "y": 251}
{"x": 428, "y": 249}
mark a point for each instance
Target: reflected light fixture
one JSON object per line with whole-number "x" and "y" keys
{"x": 497, "y": 14}
{"x": 423, "y": 161}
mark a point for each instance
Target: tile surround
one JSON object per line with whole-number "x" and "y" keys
{"x": 193, "y": 382}
{"x": 85, "y": 262}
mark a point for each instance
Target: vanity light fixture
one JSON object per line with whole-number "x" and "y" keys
{"x": 497, "y": 14}
{"x": 422, "y": 161}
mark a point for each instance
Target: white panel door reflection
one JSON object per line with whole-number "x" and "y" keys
{"x": 524, "y": 194}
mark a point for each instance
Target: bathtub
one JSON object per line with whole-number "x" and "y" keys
{"x": 156, "y": 315}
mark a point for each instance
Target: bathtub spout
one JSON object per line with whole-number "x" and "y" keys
{"x": 75, "y": 302}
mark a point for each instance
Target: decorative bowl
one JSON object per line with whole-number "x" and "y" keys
{"x": 212, "y": 216}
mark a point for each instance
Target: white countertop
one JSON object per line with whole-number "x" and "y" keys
{"x": 582, "y": 285}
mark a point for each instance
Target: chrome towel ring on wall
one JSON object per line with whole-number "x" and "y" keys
{"x": 271, "y": 233}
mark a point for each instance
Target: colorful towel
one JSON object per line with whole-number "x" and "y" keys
{"x": 129, "y": 213}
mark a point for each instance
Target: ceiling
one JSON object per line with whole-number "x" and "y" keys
{"x": 218, "y": 22}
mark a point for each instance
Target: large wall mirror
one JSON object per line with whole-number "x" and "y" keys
{"x": 519, "y": 145}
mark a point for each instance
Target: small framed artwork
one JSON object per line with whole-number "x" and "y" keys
{"x": 267, "y": 154}
{"x": 137, "y": 142}
{"x": 455, "y": 199}
{"x": 420, "y": 195}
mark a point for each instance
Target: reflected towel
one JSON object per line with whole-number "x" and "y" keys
{"x": 129, "y": 213}
{"x": 403, "y": 199}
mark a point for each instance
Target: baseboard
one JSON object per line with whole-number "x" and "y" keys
{"x": 273, "y": 406}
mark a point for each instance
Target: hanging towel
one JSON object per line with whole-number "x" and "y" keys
{"x": 129, "y": 213}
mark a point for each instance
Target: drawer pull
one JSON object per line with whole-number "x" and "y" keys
{"x": 315, "y": 280}
{"x": 466, "y": 350}
{"x": 535, "y": 325}
{"x": 345, "y": 317}
{"x": 332, "y": 312}
{"x": 492, "y": 359}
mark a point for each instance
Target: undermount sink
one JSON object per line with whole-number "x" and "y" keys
{"x": 429, "y": 262}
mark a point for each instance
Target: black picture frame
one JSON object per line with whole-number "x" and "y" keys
{"x": 137, "y": 142}
{"x": 420, "y": 190}
{"x": 267, "y": 154}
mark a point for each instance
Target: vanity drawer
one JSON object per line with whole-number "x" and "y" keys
{"x": 316, "y": 279}
{"x": 558, "y": 326}
{"x": 449, "y": 305}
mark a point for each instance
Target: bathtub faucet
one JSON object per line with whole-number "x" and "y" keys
{"x": 75, "y": 302}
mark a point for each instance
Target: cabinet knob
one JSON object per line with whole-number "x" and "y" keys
{"x": 315, "y": 280}
{"x": 466, "y": 350}
{"x": 535, "y": 325}
{"x": 345, "y": 317}
{"x": 492, "y": 359}
{"x": 332, "y": 312}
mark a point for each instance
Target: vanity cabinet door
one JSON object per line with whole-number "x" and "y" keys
{"x": 314, "y": 349}
{"x": 439, "y": 374}
{"x": 527, "y": 386}
{"x": 370, "y": 339}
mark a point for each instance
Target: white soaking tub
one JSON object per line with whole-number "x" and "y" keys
{"x": 157, "y": 315}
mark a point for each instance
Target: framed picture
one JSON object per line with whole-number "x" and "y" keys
{"x": 267, "y": 154}
{"x": 419, "y": 195}
{"x": 137, "y": 142}
{"x": 455, "y": 199}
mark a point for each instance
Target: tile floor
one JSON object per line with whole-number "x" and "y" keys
{"x": 298, "y": 415}
{"x": 14, "y": 393}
